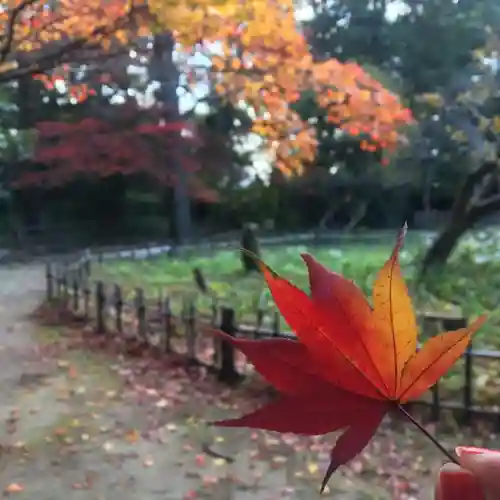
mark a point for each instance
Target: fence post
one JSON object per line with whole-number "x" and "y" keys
{"x": 87, "y": 266}
{"x": 276, "y": 324}
{"x": 456, "y": 324}
{"x": 141, "y": 313}
{"x": 214, "y": 313}
{"x": 49, "y": 282}
{"x": 200, "y": 280}
{"x": 191, "y": 333}
{"x": 184, "y": 310}
{"x": 100, "y": 304}
{"x": 469, "y": 385}
{"x": 55, "y": 273}
{"x": 215, "y": 338}
{"x": 160, "y": 302}
{"x": 227, "y": 369}
{"x": 430, "y": 327}
{"x": 259, "y": 319}
{"x": 76, "y": 291}
{"x": 118, "y": 302}
{"x": 86, "y": 301}
{"x": 64, "y": 287}
{"x": 80, "y": 274}
{"x": 167, "y": 326}
{"x": 436, "y": 403}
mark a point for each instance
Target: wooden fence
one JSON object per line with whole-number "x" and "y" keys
{"x": 152, "y": 320}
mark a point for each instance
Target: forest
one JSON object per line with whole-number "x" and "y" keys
{"x": 172, "y": 120}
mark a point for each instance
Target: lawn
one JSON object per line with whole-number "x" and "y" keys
{"x": 245, "y": 293}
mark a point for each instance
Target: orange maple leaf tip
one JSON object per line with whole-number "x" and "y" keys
{"x": 353, "y": 360}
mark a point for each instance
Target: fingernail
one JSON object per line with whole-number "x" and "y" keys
{"x": 457, "y": 483}
{"x": 472, "y": 450}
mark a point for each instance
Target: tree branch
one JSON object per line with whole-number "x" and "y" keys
{"x": 467, "y": 190}
{"x": 485, "y": 207}
{"x": 8, "y": 35}
{"x": 48, "y": 61}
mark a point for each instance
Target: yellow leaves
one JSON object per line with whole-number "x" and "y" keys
{"x": 235, "y": 64}
{"x": 8, "y": 66}
{"x": 459, "y": 136}
{"x": 478, "y": 54}
{"x": 432, "y": 99}
{"x": 394, "y": 319}
{"x": 218, "y": 63}
{"x": 483, "y": 123}
{"x": 132, "y": 436}
{"x": 495, "y": 124}
{"x": 435, "y": 358}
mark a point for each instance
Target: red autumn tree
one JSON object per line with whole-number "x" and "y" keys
{"x": 125, "y": 140}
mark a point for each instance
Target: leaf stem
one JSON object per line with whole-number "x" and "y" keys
{"x": 427, "y": 433}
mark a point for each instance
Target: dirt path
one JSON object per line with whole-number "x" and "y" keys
{"x": 79, "y": 425}
{"x": 71, "y": 432}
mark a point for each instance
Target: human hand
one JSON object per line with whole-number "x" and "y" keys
{"x": 477, "y": 477}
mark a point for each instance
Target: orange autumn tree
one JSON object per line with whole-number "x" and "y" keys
{"x": 37, "y": 37}
{"x": 266, "y": 63}
{"x": 259, "y": 56}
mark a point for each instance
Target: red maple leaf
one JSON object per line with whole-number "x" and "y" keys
{"x": 353, "y": 361}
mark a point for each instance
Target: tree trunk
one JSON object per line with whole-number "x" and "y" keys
{"x": 163, "y": 69}
{"x": 446, "y": 241}
{"x": 357, "y": 217}
{"x": 464, "y": 215}
{"x": 250, "y": 243}
{"x": 328, "y": 215}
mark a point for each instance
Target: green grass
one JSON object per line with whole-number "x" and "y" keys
{"x": 223, "y": 272}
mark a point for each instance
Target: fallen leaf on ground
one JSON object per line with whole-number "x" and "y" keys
{"x": 14, "y": 488}
{"x": 312, "y": 468}
{"x": 132, "y": 435}
{"x": 107, "y": 446}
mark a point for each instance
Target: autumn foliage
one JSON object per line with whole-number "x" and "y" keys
{"x": 262, "y": 59}
{"x": 353, "y": 361}
{"x": 267, "y": 64}
{"x": 96, "y": 147}
{"x": 43, "y": 40}
{"x": 99, "y": 148}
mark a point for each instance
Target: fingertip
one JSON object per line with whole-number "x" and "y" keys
{"x": 485, "y": 465}
{"x": 450, "y": 468}
{"x": 456, "y": 482}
